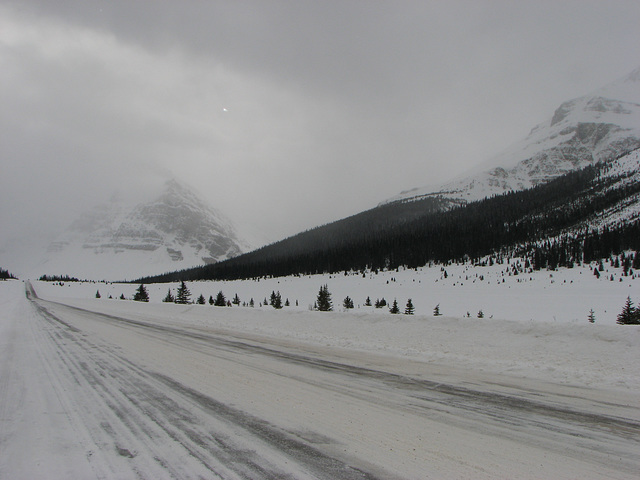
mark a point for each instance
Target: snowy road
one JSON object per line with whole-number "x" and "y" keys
{"x": 92, "y": 395}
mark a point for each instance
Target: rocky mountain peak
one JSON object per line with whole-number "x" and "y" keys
{"x": 174, "y": 229}
{"x": 599, "y": 126}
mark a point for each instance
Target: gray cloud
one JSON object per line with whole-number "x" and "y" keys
{"x": 284, "y": 114}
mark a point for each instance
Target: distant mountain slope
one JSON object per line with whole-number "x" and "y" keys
{"x": 174, "y": 230}
{"x": 598, "y": 205}
{"x": 582, "y": 131}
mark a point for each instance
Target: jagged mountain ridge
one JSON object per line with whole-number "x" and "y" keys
{"x": 176, "y": 229}
{"x": 582, "y": 131}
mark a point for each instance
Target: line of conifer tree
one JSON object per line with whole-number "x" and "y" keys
{"x": 416, "y": 233}
{"x": 6, "y": 275}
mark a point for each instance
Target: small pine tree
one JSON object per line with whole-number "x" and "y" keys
{"x": 592, "y": 316}
{"x": 286, "y": 303}
{"x": 436, "y": 311}
{"x": 201, "y": 300}
{"x": 629, "y": 314}
{"x": 367, "y": 302}
{"x": 183, "y": 295}
{"x": 480, "y": 314}
{"x": 169, "y": 298}
{"x": 141, "y": 294}
{"x": 211, "y": 301}
{"x": 220, "y": 301}
{"x": 122, "y": 297}
{"x": 394, "y": 308}
{"x": 323, "y": 301}
{"x": 348, "y": 302}
{"x": 98, "y": 294}
{"x": 236, "y": 300}
{"x": 252, "y": 303}
{"x": 276, "y": 300}
{"x": 409, "y": 308}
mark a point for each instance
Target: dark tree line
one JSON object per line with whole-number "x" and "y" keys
{"x": 413, "y": 234}
{"x": 6, "y": 275}
{"x": 58, "y": 278}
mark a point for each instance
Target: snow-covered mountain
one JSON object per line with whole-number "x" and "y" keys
{"x": 582, "y": 131}
{"x": 175, "y": 230}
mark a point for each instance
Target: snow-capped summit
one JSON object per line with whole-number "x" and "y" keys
{"x": 582, "y": 131}
{"x": 174, "y": 230}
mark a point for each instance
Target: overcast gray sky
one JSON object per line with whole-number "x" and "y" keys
{"x": 284, "y": 114}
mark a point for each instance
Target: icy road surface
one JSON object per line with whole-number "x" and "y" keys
{"x": 86, "y": 394}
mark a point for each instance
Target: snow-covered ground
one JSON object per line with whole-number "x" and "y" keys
{"x": 562, "y": 296}
{"x": 155, "y": 390}
{"x": 534, "y": 324}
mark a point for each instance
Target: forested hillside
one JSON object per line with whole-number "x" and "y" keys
{"x": 551, "y": 223}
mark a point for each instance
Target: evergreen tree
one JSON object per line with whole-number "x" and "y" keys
{"x": 480, "y": 314}
{"x": 348, "y": 302}
{"x": 394, "y": 308}
{"x": 236, "y": 300}
{"x": 367, "y": 302}
{"x": 252, "y": 303}
{"x": 211, "y": 301}
{"x": 436, "y": 311}
{"x": 122, "y": 297}
{"x": 183, "y": 295}
{"x": 5, "y": 275}
{"x": 201, "y": 300}
{"x": 98, "y": 294}
{"x": 276, "y": 300}
{"x": 169, "y": 298}
{"x": 629, "y": 315}
{"x": 592, "y": 316}
{"x": 409, "y": 309}
{"x": 323, "y": 301}
{"x": 220, "y": 300}
{"x": 141, "y": 294}
{"x": 286, "y": 303}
